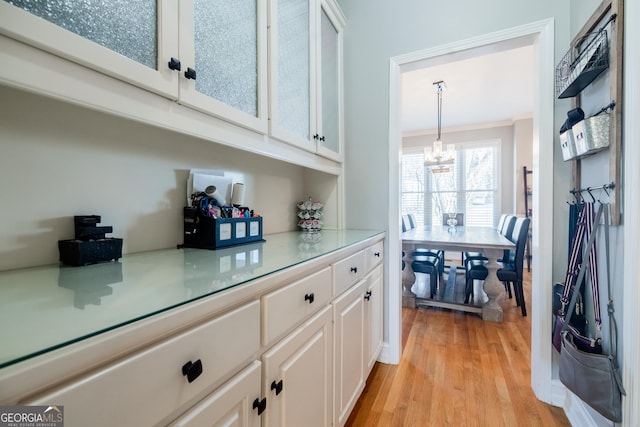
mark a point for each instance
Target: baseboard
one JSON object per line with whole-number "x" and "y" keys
{"x": 558, "y": 393}
{"x": 386, "y": 357}
{"x": 580, "y": 414}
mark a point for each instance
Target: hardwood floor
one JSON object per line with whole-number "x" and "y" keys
{"x": 457, "y": 370}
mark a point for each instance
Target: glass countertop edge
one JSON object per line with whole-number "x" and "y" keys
{"x": 350, "y": 237}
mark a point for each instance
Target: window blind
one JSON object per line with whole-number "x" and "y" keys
{"x": 469, "y": 187}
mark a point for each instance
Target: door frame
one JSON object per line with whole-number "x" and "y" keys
{"x": 541, "y": 34}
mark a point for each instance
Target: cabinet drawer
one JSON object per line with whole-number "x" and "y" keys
{"x": 288, "y": 306}
{"x": 348, "y": 271}
{"x": 146, "y": 388}
{"x": 374, "y": 254}
{"x": 230, "y": 405}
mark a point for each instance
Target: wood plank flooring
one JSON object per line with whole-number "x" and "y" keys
{"x": 457, "y": 370}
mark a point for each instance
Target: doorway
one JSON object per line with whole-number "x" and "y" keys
{"x": 540, "y": 35}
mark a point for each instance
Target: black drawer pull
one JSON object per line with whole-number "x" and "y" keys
{"x": 377, "y": 254}
{"x": 277, "y": 386}
{"x": 260, "y": 405}
{"x": 192, "y": 370}
{"x": 309, "y": 297}
{"x": 190, "y": 73}
{"x": 174, "y": 64}
{"x": 354, "y": 269}
{"x": 367, "y": 295}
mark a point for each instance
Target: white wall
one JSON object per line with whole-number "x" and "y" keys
{"x": 58, "y": 160}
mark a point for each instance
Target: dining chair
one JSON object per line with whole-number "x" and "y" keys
{"x": 425, "y": 260}
{"x": 505, "y": 227}
{"x": 511, "y": 272}
{"x": 427, "y": 251}
{"x": 507, "y": 230}
{"x": 405, "y": 223}
{"x": 427, "y": 264}
{"x": 501, "y": 221}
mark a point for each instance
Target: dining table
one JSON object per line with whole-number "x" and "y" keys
{"x": 487, "y": 240}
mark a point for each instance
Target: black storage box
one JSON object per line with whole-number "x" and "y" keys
{"x": 80, "y": 252}
{"x": 212, "y": 233}
{"x": 90, "y": 245}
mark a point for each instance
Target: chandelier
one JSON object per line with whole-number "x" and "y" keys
{"x": 434, "y": 157}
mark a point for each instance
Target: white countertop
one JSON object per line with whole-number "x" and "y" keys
{"x": 48, "y": 307}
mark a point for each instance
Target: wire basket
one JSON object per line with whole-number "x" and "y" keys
{"x": 578, "y": 68}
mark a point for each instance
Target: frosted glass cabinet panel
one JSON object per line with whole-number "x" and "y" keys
{"x": 129, "y": 28}
{"x": 293, "y": 68}
{"x": 305, "y": 64}
{"x": 224, "y": 43}
{"x": 330, "y": 62}
{"x": 132, "y": 41}
{"x": 207, "y": 54}
{"x": 292, "y": 95}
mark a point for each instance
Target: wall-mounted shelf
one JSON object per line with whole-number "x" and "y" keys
{"x": 600, "y": 18}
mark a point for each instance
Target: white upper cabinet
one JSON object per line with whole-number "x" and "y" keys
{"x": 209, "y": 55}
{"x": 306, "y": 75}
{"x": 132, "y": 41}
{"x": 223, "y": 45}
{"x": 329, "y": 109}
{"x": 272, "y": 67}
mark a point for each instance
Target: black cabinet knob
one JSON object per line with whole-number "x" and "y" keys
{"x": 192, "y": 370}
{"x": 174, "y": 64}
{"x": 377, "y": 254}
{"x": 190, "y": 73}
{"x": 367, "y": 295}
{"x": 354, "y": 269}
{"x": 316, "y": 136}
{"x": 277, "y": 386}
{"x": 260, "y": 405}
{"x": 322, "y": 138}
{"x": 309, "y": 297}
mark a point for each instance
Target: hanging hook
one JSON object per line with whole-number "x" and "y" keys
{"x": 575, "y": 196}
{"x": 593, "y": 199}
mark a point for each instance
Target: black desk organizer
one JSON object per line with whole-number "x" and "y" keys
{"x": 213, "y": 233}
{"x": 90, "y": 245}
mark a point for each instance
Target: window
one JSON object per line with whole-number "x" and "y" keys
{"x": 469, "y": 186}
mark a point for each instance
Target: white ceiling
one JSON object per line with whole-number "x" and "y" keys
{"x": 482, "y": 88}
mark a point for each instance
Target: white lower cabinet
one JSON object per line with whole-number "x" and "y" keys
{"x": 235, "y": 404}
{"x": 297, "y": 376}
{"x": 292, "y": 353}
{"x": 348, "y": 318}
{"x": 146, "y": 388}
{"x": 373, "y": 315}
{"x": 357, "y": 319}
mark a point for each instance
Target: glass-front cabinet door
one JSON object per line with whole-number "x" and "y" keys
{"x": 306, "y": 75}
{"x": 207, "y": 54}
{"x": 291, "y": 72}
{"x": 329, "y": 119}
{"x": 132, "y": 41}
{"x": 223, "y": 44}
